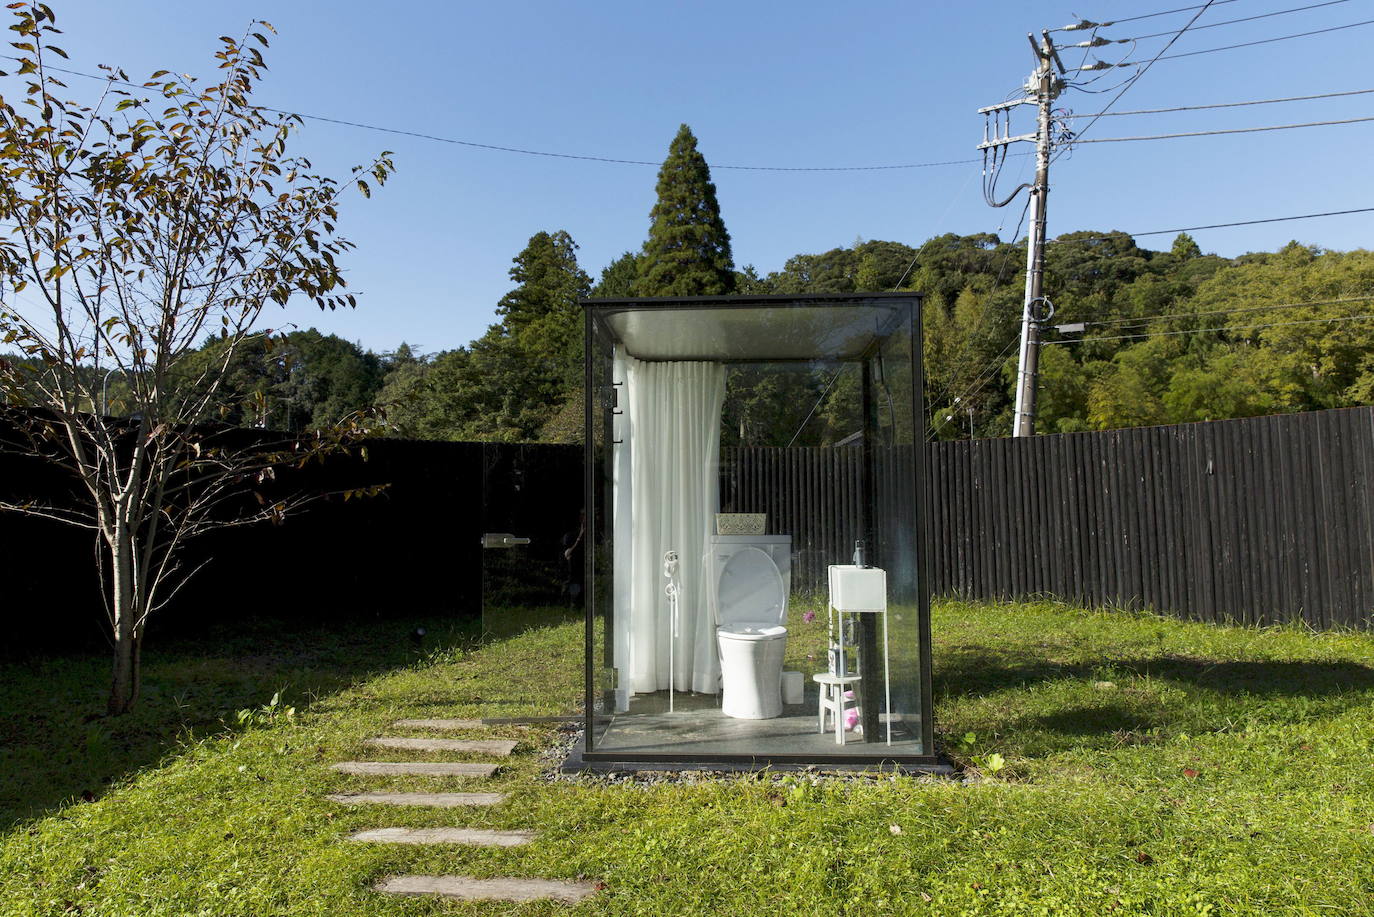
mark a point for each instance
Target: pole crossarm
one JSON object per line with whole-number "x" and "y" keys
{"x": 1007, "y": 106}
{"x": 1003, "y": 141}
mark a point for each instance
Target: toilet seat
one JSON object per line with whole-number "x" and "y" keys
{"x": 751, "y": 631}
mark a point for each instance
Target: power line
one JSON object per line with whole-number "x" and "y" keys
{"x": 1266, "y": 41}
{"x": 1213, "y": 25}
{"x": 1282, "y": 305}
{"x": 1084, "y": 24}
{"x": 1151, "y": 334}
{"x": 1145, "y": 69}
{"x": 1163, "y": 111}
{"x": 1214, "y": 133}
{"x": 1087, "y": 52}
{"x": 527, "y": 152}
{"x": 1162, "y": 232}
{"x": 632, "y": 162}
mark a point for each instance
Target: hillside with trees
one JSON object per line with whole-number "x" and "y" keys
{"x": 1170, "y": 336}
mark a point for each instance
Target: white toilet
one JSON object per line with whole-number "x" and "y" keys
{"x": 752, "y": 574}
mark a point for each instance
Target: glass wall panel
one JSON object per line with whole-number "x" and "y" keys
{"x": 604, "y": 418}
{"x": 896, "y": 477}
{"x": 740, "y": 449}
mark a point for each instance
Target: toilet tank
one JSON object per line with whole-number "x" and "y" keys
{"x": 777, "y": 547}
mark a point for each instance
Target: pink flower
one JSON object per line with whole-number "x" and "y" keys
{"x": 809, "y": 617}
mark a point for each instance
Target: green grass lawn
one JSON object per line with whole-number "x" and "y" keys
{"x": 1149, "y": 767}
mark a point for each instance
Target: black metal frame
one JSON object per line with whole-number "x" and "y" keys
{"x": 608, "y": 760}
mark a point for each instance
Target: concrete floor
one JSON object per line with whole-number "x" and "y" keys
{"x": 697, "y": 727}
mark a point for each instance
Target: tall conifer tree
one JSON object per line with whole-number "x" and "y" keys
{"x": 542, "y": 314}
{"x": 507, "y": 384}
{"x": 688, "y": 250}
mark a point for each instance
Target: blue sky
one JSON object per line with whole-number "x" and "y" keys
{"x": 780, "y": 84}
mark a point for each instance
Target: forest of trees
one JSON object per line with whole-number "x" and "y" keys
{"x": 1171, "y": 336}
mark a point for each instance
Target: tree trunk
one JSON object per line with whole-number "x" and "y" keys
{"x": 124, "y": 686}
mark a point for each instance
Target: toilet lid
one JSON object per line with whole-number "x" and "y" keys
{"x": 750, "y": 589}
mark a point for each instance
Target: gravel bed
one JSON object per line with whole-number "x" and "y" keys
{"x": 570, "y": 737}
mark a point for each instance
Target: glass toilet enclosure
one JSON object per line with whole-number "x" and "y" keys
{"x": 737, "y": 447}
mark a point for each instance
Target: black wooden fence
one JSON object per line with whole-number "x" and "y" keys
{"x": 415, "y": 548}
{"x": 1259, "y": 520}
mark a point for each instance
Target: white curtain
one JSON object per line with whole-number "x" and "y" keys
{"x": 667, "y": 491}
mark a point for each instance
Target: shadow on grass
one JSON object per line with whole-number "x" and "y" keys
{"x": 967, "y": 673}
{"x": 56, "y": 745}
{"x": 1127, "y": 709}
{"x": 1082, "y": 721}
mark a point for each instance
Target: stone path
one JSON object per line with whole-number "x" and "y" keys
{"x": 433, "y": 800}
{"x": 418, "y": 768}
{"x": 438, "y": 724}
{"x": 476, "y": 837}
{"x": 500, "y": 748}
{"x": 465, "y": 888}
{"x": 484, "y": 722}
{"x": 529, "y": 720}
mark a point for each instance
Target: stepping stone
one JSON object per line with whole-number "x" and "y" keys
{"x": 466, "y": 888}
{"x": 529, "y": 720}
{"x": 499, "y": 747}
{"x": 418, "y": 768}
{"x": 438, "y": 724}
{"x": 475, "y": 837}
{"x": 433, "y": 800}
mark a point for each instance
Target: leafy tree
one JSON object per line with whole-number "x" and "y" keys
{"x": 328, "y": 378}
{"x": 1064, "y": 387}
{"x": 302, "y": 380}
{"x": 401, "y": 399}
{"x": 948, "y": 264}
{"x": 140, "y": 229}
{"x": 749, "y": 283}
{"x": 829, "y": 272}
{"x": 1226, "y": 382}
{"x": 1122, "y": 398}
{"x": 1185, "y": 247}
{"x": 510, "y": 383}
{"x": 618, "y": 278}
{"x": 968, "y": 364}
{"x": 1085, "y": 271}
{"x": 543, "y": 315}
{"x": 688, "y": 249}
{"x": 868, "y": 267}
{"x": 480, "y": 392}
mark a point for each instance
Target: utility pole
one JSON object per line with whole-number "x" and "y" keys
{"x": 1042, "y": 89}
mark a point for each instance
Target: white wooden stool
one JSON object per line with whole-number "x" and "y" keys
{"x": 832, "y": 700}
